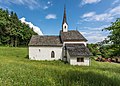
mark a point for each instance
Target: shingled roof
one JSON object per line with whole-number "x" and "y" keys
{"x": 77, "y": 50}
{"x": 72, "y": 35}
{"x": 37, "y": 40}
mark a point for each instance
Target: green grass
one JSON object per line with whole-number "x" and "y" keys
{"x": 17, "y": 70}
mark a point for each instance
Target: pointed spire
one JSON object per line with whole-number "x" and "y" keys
{"x": 64, "y": 17}
{"x": 64, "y": 23}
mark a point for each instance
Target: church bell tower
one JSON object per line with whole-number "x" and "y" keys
{"x": 64, "y": 23}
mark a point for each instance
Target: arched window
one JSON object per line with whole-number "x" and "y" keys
{"x": 52, "y": 54}
{"x": 65, "y": 27}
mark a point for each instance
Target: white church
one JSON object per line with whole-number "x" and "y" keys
{"x": 69, "y": 46}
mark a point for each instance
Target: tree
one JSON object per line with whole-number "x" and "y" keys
{"x": 114, "y": 36}
{"x": 94, "y": 49}
{"x": 12, "y": 31}
{"x": 4, "y": 22}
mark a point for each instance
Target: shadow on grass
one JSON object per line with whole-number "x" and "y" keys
{"x": 27, "y": 56}
{"x": 117, "y": 62}
{"x": 77, "y": 78}
{"x": 116, "y": 70}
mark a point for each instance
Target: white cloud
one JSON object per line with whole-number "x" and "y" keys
{"x": 107, "y": 16}
{"x": 95, "y": 35}
{"x": 51, "y": 16}
{"x": 35, "y": 28}
{"x": 45, "y": 7}
{"x": 31, "y": 4}
{"x": 102, "y": 17}
{"x": 97, "y": 28}
{"x": 89, "y": 1}
{"x": 90, "y": 14}
{"x": 96, "y": 38}
{"x": 97, "y": 17}
{"x": 48, "y": 2}
{"x": 115, "y": 11}
{"x": 115, "y": 2}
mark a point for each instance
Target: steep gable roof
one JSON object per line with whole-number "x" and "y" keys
{"x": 77, "y": 50}
{"x": 72, "y": 35}
{"x": 37, "y": 40}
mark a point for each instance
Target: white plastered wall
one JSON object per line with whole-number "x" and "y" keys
{"x": 44, "y": 53}
{"x": 65, "y": 27}
{"x": 79, "y": 42}
{"x": 68, "y": 57}
{"x": 73, "y": 61}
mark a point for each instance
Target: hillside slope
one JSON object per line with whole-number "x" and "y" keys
{"x": 17, "y": 70}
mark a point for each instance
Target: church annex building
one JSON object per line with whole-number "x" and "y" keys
{"x": 69, "y": 46}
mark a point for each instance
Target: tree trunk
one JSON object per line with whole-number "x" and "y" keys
{"x": 12, "y": 42}
{"x": 0, "y": 41}
{"x": 16, "y": 41}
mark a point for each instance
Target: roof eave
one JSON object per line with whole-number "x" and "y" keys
{"x": 45, "y": 45}
{"x": 80, "y": 56}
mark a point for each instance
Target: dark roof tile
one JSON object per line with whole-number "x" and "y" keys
{"x": 72, "y": 35}
{"x": 78, "y": 50}
{"x": 37, "y": 40}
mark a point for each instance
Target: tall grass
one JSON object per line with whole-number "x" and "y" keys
{"x": 17, "y": 70}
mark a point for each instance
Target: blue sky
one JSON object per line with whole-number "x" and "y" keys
{"x": 87, "y": 16}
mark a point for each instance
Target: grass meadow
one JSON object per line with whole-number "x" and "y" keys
{"x": 17, "y": 70}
